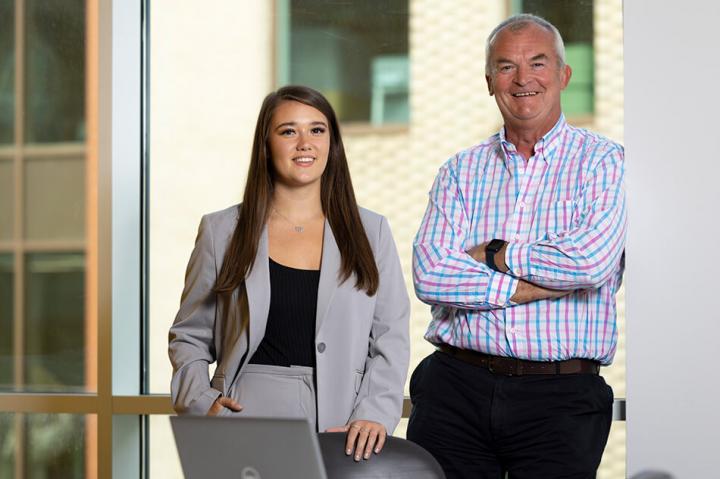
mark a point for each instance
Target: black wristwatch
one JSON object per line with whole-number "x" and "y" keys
{"x": 490, "y": 250}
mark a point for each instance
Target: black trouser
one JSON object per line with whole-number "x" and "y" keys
{"x": 482, "y": 425}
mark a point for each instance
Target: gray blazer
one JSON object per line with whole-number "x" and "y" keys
{"x": 362, "y": 343}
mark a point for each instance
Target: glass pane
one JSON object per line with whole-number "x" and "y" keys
{"x": 613, "y": 461}
{"x": 6, "y": 321}
{"x": 573, "y": 18}
{"x": 7, "y": 445}
{"x": 55, "y": 199}
{"x": 7, "y": 199}
{"x": 164, "y": 459}
{"x": 55, "y": 445}
{"x": 7, "y": 71}
{"x": 357, "y": 57}
{"x": 54, "y": 71}
{"x": 54, "y": 322}
{"x": 454, "y": 111}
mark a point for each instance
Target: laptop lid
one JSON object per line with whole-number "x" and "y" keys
{"x": 247, "y": 448}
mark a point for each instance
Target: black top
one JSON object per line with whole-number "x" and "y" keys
{"x": 290, "y": 331}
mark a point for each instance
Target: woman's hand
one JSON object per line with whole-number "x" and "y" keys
{"x": 223, "y": 403}
{"x": 366, "y": 436}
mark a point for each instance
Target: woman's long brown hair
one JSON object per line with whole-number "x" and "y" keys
{"x": 337, "y": 198}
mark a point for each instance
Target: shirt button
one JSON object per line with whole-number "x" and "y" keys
{"x": 321, "y": 347}
{"x": 522, "y": 204}
{"x": 512, "y": 330}
{"x": 517, "y": 237}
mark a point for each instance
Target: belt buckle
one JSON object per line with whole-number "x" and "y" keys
{"x": 490, "y": 362}
{"x": 497, "y": 366}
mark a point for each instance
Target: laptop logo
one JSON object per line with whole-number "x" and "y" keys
{"x": 249, "y": 473}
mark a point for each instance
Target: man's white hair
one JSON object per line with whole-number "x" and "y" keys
{"x": 518, "y": 22}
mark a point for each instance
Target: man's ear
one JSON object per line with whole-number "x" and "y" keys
{"x": 565, "y": 74}
{"x": 488, "y": 79}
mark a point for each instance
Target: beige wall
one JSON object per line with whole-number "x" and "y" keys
{"x": 450, "y": 110}
{"x": 209, "y": 70}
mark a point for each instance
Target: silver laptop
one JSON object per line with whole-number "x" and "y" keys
{"x": 247, "y": 448}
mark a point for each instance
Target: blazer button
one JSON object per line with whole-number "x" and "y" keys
{"x": 321, "y": 347}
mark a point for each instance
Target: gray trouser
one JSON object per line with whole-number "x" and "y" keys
{"x": 275, "y": 391}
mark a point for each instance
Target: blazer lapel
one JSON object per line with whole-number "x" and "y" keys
{"x": 329, "y": 274}
{"x": 257, "y": 285}
{"x": 235, "y": 346}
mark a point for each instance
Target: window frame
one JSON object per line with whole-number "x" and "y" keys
{"x": 281, "y": 73}
{"x": 115, "y": 155}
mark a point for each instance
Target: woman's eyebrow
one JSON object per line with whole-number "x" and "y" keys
{"x": 294, "y": 123}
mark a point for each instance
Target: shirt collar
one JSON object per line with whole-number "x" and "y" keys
{"x": 545, "y": 146}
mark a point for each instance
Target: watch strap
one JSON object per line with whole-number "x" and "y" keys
{"x": 491, "y": 250}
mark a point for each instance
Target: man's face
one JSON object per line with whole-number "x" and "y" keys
{"x": 526, "y": 78}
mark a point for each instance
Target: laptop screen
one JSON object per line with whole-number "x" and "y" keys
{"x": 247, "y": 448}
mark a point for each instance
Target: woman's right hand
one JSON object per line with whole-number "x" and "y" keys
{"x": 222, "y": 403}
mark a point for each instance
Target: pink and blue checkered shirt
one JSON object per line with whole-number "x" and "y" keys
{"x": 563, "y": 214}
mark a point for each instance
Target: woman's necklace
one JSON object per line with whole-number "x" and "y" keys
{"x": 297, "y": 228}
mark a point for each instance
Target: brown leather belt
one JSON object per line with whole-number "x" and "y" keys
{"x": 521, "y": 367}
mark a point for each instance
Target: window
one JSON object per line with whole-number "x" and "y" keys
{"x": 70, "y": 291}
{"x": 43, "y": 287}
{"x": 42, "y": 171}
{"x": 53, "y": 445}
{"x": 202, "y": 120}
{"x": 574, "y": 20}
{"x": 355, "y": 53}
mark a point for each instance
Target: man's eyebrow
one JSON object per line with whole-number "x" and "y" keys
{"x": 503, "y": 60}
{"x": 540, "y": 56}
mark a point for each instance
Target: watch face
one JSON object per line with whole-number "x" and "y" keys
{"x": 495, "y": 245}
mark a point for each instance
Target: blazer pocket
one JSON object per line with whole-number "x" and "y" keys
{"x": 218, "y": 382}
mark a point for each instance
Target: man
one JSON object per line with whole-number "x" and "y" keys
{"x": 520, "y": 255}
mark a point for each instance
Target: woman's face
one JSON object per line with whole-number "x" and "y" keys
{"x": 299, "y": 144}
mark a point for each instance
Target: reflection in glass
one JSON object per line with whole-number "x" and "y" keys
{"x": 54, "y": 446}
{"x": 6, "y": 322}
{"x": 54, "y": 71}
{"x": 54, "y": 322}
{"x": 357, "y": 57}
{"x": 55, "y": 199}
{"x": 7, "y": 444}
{"x": 7, "y": 198}
{"x": 7, "y": 70}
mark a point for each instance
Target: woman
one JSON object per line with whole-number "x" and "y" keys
{"x": 297, "y": 293}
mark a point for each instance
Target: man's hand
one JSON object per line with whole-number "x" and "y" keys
{"x": 365, "y": 436}
{"x": 224, "y": 403}
{"x": 527, "y": 292}
{"x": 478, "y": 254}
